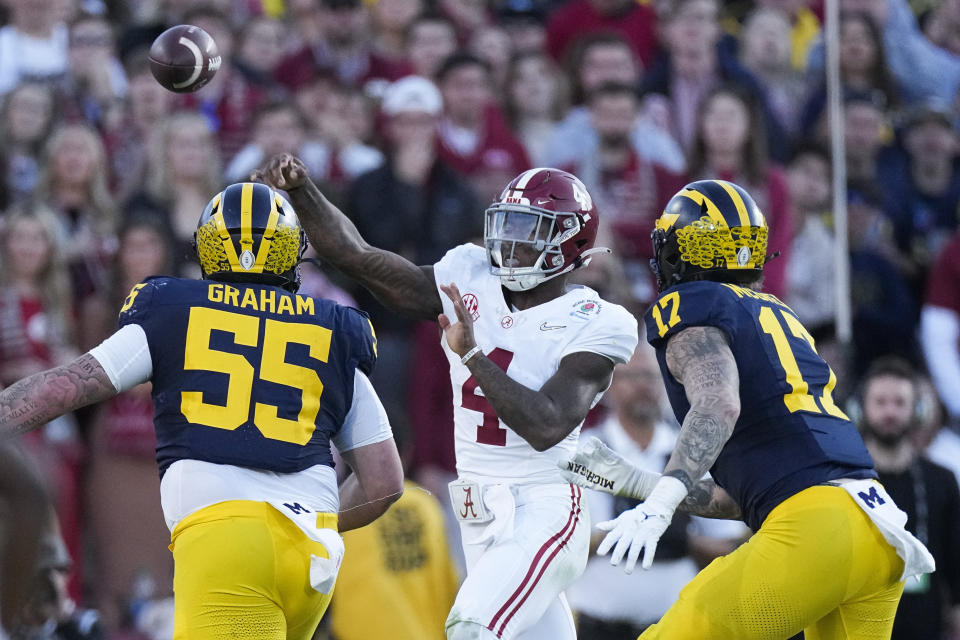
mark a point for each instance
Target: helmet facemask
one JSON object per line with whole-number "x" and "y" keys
{"x": 508, "y": 228}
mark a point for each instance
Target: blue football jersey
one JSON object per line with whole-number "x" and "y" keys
{"x": 790, "y": 435}
{"x": 248, "y": 375}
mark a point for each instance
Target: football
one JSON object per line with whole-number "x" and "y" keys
{"x": 184, "y": 58}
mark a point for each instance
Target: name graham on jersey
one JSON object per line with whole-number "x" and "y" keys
{"x": 269, "y": 300}
{"x": 591, "y": 477}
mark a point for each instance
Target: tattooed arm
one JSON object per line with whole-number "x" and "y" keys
{"x": 39, "y": 398}
{"x": 708, "y": 500}
{"x": 700, "y": 359}
{"x": 395, "y": 281}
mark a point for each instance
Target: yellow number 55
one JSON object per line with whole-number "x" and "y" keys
{"x": 198, "y": 356}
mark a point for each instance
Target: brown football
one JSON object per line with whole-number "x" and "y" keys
{"x": 184, "y": 58}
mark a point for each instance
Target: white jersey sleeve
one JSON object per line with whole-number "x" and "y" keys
{"x": 366, "y": 422}
{"x": 610, "y": 331}
{"x": 125, "y": 357}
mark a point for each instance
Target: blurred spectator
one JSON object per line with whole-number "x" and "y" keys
{"x": 33, "y": 44}
{"x": 923, "y": 70}
{"x": 402, "y": 562}
{"x": 182, "y": 171}
{"x": 22, "y": 492}
{"x": 927, "y": 492}
{"x": 127, "y": 139}
{"x": 279, "y": 127}
{"x": 260, "y": 48}
{"x": 630, "y": 191}
{"x": 635, "y": 21}
{"x": 431, "y": 39}
{"x": 95, "y": 81}
{"x": 935, "y": 437}
{"x": 941, "y": 25}
{"x": 525, "y": 22}
{"x": 474, "y": 137}
{"x": 940, "y": 325}
{"x": 36, "y": 331}
{"x": 74, "y": 183}
{"x": 925, "y": 200}
{"x": 128, "y": 535}
{"x": 730, "y": 144}
{"x": 466, "y": 15}
{"x": 611, "y": 603}
{"x": 884, "y": 308}
{"x": 535, "y": 100}
{"x": 863, "y": 70}
{"x": 426, "y": 196}
{"x": 343, "y": 49}
{"x": 765, "y": 52}
{"x": 50, "y": 612}
{"x": 694, "y": 65}
{"x": 804, "y": 27}
{"x": 866, "y": 139}
{"x": 230, "y": 98}
{"x": 391, "y": 20}
{"x": 597, "y": 59}
{"x": 27, "y": 116}
{"x": 491, "y": 43}
{"x": 810, "y": 267}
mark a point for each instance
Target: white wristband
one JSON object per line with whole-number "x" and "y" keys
{"x": 469, "y": 354}
{"x": 668, "y": 493}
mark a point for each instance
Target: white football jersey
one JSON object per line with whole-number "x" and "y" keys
{"x": 528, "y": 345}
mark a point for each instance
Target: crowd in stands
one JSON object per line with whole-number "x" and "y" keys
{"x": 412, "y": 115}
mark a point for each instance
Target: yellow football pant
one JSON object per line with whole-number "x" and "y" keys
{"x": 817, "y": 564}
{"x": 242, "y": 570}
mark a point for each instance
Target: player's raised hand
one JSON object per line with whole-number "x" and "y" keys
{"x": 640, "y": 528}
{"x": 283, "y": 171}
{"x": 597, "y": 466}
{"x": 459, "y": 334}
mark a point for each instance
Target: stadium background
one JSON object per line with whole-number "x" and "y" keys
{"x": 103, "y": 175}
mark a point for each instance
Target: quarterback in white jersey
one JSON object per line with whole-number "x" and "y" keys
{"x": 529, "y": 356}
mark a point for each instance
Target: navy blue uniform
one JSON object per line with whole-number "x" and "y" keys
{"x": 790, "y": 435}
{"x": 246, "y": 374}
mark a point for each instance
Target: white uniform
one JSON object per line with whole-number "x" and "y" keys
{"x": 536, "y": 543}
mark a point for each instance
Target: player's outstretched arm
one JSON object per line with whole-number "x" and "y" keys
{"x": 701, "y": 360}
{"x": 395, "y": 281}
{"x": 39, "y": 398}
{"x": 543, "y": 417}
{"x": 376, "y": 483}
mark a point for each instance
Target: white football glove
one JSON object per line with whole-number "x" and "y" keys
{"x": 641, "y": 527}
{"x": 597, "y": 466}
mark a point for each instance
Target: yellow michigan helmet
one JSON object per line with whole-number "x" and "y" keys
{"x": 713, "y": 227}
{"x": 249, "y": 233}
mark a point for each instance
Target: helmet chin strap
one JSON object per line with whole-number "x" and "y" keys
{"x": 531, "y": 280}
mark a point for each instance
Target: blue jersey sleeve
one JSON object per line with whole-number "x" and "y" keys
{"x": 692, "y": 304}
{"x": 365, "y": 338}
{"x": 137, "y": 306}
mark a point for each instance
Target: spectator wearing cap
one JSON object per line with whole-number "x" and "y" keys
{"x": 925, "y": 202}
{"x": 598, "y": 59}
{"x": 33, "y": 44}
{"x": 635, "y": 21}
{"x": 343, "y": 50}
{"x": 431, "y": 208}
{"x": 474, "y": 137}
